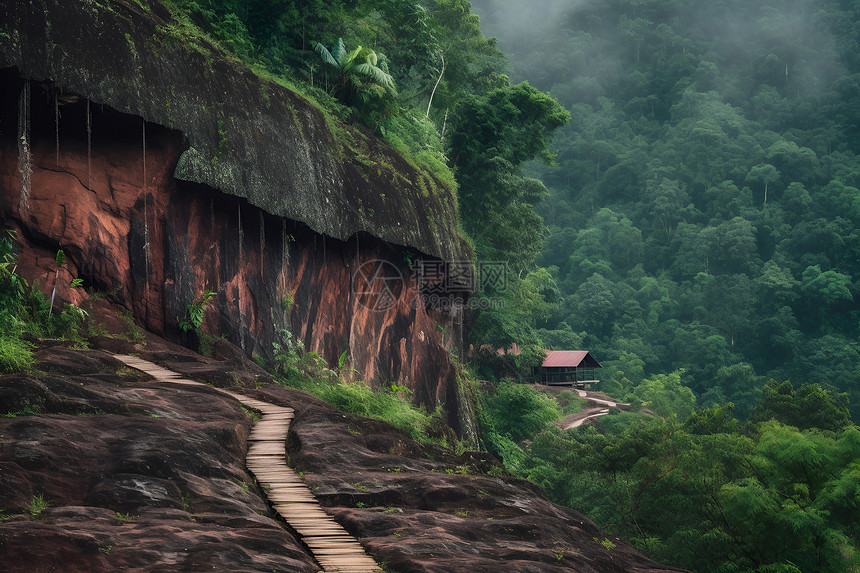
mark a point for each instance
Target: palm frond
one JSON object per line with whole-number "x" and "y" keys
{"x": 339, "y": 50}
{"x": 325, "y": 55}
{"x": 349, "y": 60}
{"x": 376, "y": 74}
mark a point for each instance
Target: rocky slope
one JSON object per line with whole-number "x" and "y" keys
{"x": 150, "y": 476}
{"x": 136, "y": 476}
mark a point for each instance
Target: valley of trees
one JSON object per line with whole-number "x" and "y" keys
{"x": 708, "y": 493}
{"x": 702, "y": 239}
{"x": 703, "y": 212}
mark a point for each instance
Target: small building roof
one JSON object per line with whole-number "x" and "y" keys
{"x": 570, "y": 359}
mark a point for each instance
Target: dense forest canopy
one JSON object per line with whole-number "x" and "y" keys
{"x": 703, "y": 234}
{"x": 704, "y": 213}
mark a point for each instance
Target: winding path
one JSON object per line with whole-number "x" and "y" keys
{"x": 331, "y": 545}
{"x": 579, "y": 418}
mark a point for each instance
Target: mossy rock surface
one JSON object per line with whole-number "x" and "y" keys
{"x": 246, "y": 135}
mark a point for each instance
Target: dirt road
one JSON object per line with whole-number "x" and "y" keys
{"x": 599, "y": 404}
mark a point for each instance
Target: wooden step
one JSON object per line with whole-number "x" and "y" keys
{"x": 332, "y": 546}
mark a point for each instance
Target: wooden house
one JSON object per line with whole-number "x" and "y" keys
{"x": 568, "y": 368}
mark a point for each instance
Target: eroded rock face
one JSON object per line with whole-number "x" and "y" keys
{"x": 128, "y": 227}
{"x": 135, "y": 475}
{"x": 247, "y": 136}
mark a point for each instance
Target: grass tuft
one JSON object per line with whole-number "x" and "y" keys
{"x": 38, "y": 504}
{"x": 16, "y": 355}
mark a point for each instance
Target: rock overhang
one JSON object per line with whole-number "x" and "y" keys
{"x": 246, "y": 134}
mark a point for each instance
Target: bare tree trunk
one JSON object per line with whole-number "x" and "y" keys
{"x": 433, "y": 93}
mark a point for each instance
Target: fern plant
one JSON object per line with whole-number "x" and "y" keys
{"x": 357, "y": 73}
{"x": 194, "y": 312}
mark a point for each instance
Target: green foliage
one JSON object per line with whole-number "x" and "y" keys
{"x": 703, "y": 496}
{"x": 666, "y": 396}
{"x": 356, "y": 71}
{"x": 287, "y": 301}
{"x": 573, "y": 403}
{"x": 715, "y": 420}
{"x": 343, "y": 359}
{"x": 38, "y": 504}
{"x": 809, "y": 406}
{"x": 253, "y": 416}
{"x": 395, "y": 408}
{"x": 194, "y": 312}
{"x": 517, "y": 411}
{"x": 417, "y": 138}
{"x": 25, "y": 312}
{"x": 511, "y": 316}
{"x": 309, "y": 372}
{"x": 15, "y": 354}
{"x": 703, "y": 213}
{"x": 491, "y": 136}
{"x": 130, "y": 331}
{"x": 27, "y": 409}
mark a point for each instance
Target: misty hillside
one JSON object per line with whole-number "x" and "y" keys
{"x": 704, "y": 209}
{"x": 703, "y": 241}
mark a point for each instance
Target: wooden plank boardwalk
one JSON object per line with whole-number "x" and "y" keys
{"x": 334, "y": 549}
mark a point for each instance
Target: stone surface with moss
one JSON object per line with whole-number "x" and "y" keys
{"x": 246, "y": 134}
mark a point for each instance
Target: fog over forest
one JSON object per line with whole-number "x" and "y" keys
{"x": 702, "y": 238}
{"x": 701, "y": 212}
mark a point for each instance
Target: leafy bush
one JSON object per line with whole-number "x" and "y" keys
{"x": 666, "y": 395}
{"x": 518, "y": 411}
{"x": 504, "y": 448}
{"x": 38, "y": 504}
{"x": 395, "y": 408}
{"x": 25, "y": 311}
{"x": 574, "y": 402}
{"x": 416, "y": 138}
{"x": 194, "y": 312}
{"x": 308, "y": 371}
{"x": 15, "y": 354}
{"x": 807, "y": 406}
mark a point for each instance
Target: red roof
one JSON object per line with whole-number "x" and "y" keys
{"x": 569, "y": 359}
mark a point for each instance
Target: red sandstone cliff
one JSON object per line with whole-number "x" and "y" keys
{"x": 124, "y": 222}
{"x": 119, "y": 159}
